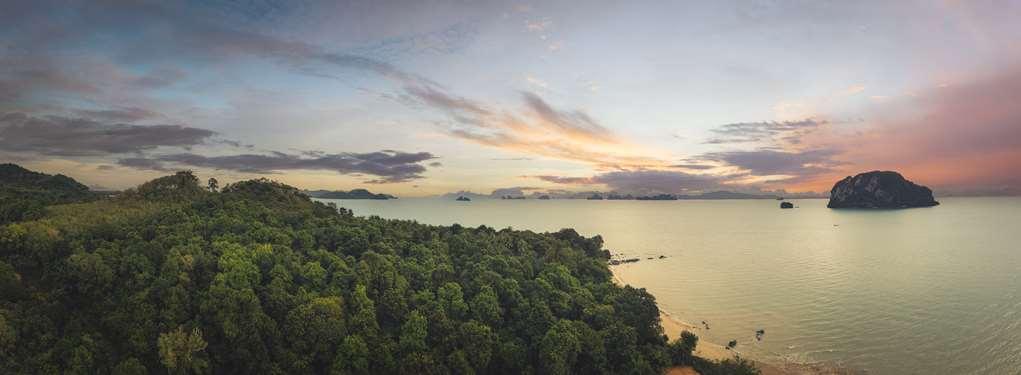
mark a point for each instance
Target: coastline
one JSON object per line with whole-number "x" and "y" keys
{"x": 673, "y": 327}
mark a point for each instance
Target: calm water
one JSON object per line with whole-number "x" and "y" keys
{"x": 919, "y": 291}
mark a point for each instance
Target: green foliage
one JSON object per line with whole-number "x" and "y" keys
{"x": 174, "y": 277}
{"x": 130, "y": 366}
{"x": 681, "y": 349}
{"x": 737, "y": 366}
{"x": 181, "y": 351}
{"x": 24, "y": 194}
{"x": 179, "y": 186}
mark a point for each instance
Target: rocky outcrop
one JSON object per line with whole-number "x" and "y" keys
{"x": 879, "y": 189}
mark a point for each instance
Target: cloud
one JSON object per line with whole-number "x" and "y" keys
{"x": 124, "y": 114}
{"x": 645, "y": 181}
{"x": 511, "y": 159}
{"x": 453, "y": 105}
{"x": 567, "y": 180}
{"x": 158, "y": 78}
{"x": 446, "y": 40}
{"x": 65, "y": 136}
{"x": 693, "y": 166}
{"x": 388, "y": 165}
{"x": 538, "y": 25}
{"x": 961, "y": 137}
{"x": 964, "y": 136}
{"x": 23, "y": 76}
{"x": 516, "y": 191}
{"x": 765, "y": 162}
{"x": 575, "y": 123}
{"x": 49, "y": 78}
{"x": 654, "y": 181}
{"x": 160, "y": 32}
{"x": 748, "y": 132}
{"x": 144, "y": 163}
{"x": 537, "y": 129}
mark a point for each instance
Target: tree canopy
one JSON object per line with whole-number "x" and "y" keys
{"x": 174, "y": 277}
{"x": 24, "y": 194}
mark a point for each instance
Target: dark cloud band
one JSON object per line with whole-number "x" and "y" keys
{"x": 389, "y": 166}
{"x": 64, "y": 136}
{"x": 645, "y": 181}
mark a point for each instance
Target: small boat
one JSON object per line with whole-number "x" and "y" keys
{"x": 463, "y": 199}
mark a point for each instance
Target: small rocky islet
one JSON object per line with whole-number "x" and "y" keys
{"x": 879, "y": 189}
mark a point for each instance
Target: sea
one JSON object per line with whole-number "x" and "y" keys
{"x": 914, "y": 291}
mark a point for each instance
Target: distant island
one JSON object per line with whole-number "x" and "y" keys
{"x": 466, "y": 194}
{"x": 879, "y": 189}
{"x": 353, "y": 194}
{"x": 613, "y": 195}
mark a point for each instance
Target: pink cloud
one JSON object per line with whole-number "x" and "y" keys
{"x": 956, "y": 137}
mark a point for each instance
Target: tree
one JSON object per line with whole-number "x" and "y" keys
{"x": 352, "y": 357}
{"x": 478, "y": 340}
{"x": 558, "y": 350}
{"x": 7, "y": 335}
{"x": 181, "y": 352}
{"x": 130, "y": 366}
{"x": 413, "y": 334}
{"x": 452, "y": 300}
{"x": 485, "y": 306}
{"x": 637, "y": 308}
{"x": 315, "y": 329}
{"x": 736, "y": 366}
{"x": 413, "y": 347}
{"x": 680, "y": 350}
{"x": 363, "y": 317}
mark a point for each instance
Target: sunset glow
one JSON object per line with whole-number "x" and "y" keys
{"x": 419, "y": 99}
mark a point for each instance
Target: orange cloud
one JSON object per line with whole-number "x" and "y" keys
{"x": 538, "y": 129}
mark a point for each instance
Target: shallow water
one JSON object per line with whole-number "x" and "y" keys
{"x": 918, "y": 291}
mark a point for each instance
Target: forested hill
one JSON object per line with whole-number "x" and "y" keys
{"x": 24, "y": 193}
{"x": 257, "y": 278}
{"x": 353, "y": 194}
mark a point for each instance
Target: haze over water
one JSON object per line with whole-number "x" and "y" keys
{"x": 916, "y": 291}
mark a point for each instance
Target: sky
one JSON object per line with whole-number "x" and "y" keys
{"x": 418, "y": 98}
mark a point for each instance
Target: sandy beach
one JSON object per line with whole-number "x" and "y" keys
{"x": 673, "y": 327}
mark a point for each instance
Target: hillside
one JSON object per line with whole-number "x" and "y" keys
{"x": 24, "y": 193}
{"x": 353, "y": 194}
{"x": 257, "y": 278}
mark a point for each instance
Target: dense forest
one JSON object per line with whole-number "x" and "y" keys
{"x": 25, "y": 194}
{"x": 180, "y": 277}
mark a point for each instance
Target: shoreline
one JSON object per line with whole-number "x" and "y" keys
{"x": 673, "y": 327}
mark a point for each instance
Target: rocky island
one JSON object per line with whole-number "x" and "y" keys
{"x": 353, "y": 194}
{"x": 879, "y": 189}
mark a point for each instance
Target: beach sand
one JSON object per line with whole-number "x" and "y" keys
{"x": 673, "y": 327}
